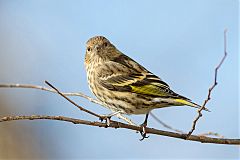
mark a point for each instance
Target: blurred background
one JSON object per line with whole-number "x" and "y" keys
{"x": 181, "y": 41}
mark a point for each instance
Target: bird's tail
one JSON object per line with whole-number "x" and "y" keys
{"x": 189, "y": 103}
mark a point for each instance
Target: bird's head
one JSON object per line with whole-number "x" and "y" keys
{"x": 99, "y": 47}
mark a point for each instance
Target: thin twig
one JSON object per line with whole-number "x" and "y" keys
{"x": 211, "y": 88}
{"x": 49, "y": 90}
{"x": 179, "y": 131}
{"x": 164, "y": 124}
{"x": 64, "y": 93}
{"x": 75, "y": 104}
{"x": 115, "y": 124}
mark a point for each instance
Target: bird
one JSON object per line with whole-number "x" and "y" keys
{"x": 125, "y": 86}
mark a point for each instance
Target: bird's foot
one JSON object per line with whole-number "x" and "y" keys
{"x": 143, "y": 132}
{"x": 108, "y": 117}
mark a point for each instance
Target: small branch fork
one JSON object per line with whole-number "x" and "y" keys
{"x": 53, "y": 90}
{"x": 75, "y": 104}
{"x": 115, "y": 124}
{"x": 211, "y": 88}
{"x": 182, "y": 132}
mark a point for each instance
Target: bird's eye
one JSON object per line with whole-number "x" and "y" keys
{"x": 88, "y": 49}
{"x": 105, "y": 44}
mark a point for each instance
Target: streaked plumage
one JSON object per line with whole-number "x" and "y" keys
{"x": 124, "y": 85}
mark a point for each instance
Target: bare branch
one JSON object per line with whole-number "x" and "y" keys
{"x": 115, "y": 124}
{"x": 49, "y": 90}
{"x": 75, "y": 104}
{"x": 164, "y": 124}
{"x": 179, "y": 131}
{"x": 64, "y": 93}
{"x": 211, "y": 88}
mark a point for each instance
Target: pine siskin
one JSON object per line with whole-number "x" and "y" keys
{"x": 123, "y": 85}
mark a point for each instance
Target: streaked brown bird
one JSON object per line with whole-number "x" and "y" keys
{"x": 123, "y": 85}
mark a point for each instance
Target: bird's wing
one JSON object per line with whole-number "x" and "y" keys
{"x": 125, "y": 77}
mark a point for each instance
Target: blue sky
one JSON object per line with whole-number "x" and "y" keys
{"x": 180, "y": 41}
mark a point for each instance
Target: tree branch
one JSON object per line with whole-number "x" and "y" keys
{"x": 182, "y": 132}
{"x": 115, "y": 124}
{"x": 164, "y": 124}
{"x": 75, "y": 104}
{"x": 49, "y": 90}
{"x": 64, "y": 93}
{"x": 211, "y": 88}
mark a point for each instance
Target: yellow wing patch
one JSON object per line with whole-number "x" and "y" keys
{"x": 149, "y": 90}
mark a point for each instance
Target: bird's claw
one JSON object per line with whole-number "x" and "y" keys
{"x": 107, "y": 119}
{"x": 143, "y": 132}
